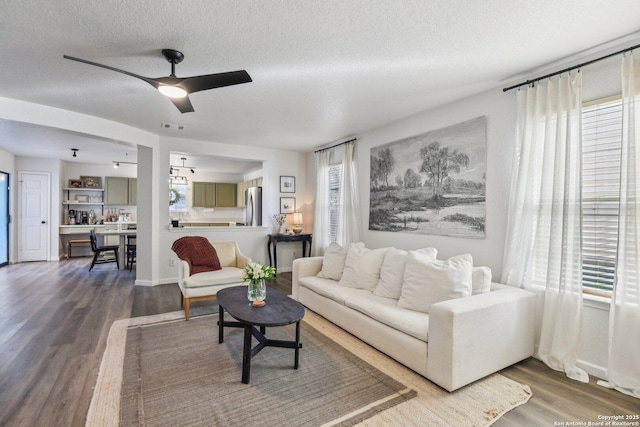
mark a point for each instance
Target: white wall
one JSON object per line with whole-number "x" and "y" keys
{"x": 500, "y": 113}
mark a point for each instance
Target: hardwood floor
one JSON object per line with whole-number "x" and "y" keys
{"x": 55, "y": 317}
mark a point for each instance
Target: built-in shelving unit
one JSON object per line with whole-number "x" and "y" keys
{"x": 94, "y": 197}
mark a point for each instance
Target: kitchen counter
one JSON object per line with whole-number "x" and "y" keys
{"x": 192, "y": 228}
{"x": 86, "y": 228}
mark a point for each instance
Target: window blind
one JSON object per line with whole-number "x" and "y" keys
{"x": 601, "y": 139}
{"x": 335, "y": 179}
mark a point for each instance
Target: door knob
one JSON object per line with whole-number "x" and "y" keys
{"x": 43, "y": 222}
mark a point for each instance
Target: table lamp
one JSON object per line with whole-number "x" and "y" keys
{"x": 297, "y": 222}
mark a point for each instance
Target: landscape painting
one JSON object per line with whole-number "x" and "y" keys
{"x": 433, "y": 183}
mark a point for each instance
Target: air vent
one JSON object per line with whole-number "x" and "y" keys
{"x": 172, "y": 126}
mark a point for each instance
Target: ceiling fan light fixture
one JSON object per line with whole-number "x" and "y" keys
{"x": 172, "y": 91}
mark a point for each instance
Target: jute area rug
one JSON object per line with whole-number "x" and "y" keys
{"x": 398, "y": 396}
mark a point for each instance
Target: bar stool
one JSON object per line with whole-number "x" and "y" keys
{"x": 131, "y": 251}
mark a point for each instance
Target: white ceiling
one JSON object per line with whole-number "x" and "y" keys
{"x": 322, "y": 70}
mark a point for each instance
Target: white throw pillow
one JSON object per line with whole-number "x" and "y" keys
{"x": 392, "y": 271}
{"x": 428, "y": 281}
{"x": 481, "y": 280}
{"x": 333, "y": 262}
{"x": 362, "y": 267}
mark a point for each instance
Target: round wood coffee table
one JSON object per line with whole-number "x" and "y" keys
{"x": 279, "y": 310}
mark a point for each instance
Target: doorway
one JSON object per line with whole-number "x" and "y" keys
{"x": 34, "y": 228}
{"x": 5, "y": 219}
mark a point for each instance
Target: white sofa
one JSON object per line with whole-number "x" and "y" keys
{"x": 205, "y": 285}
{"x": 458, "y": 341}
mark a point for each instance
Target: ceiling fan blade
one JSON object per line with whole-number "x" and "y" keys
{"x": 209, "y": 81}
{"x": 152, "y": 82}
{"x": 183, "y": 104}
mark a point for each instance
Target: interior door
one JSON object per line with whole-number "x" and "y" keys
{"x": 34, "y": 217}
{"x": 4, "y": 219}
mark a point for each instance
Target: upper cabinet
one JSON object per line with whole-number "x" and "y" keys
{"x": 240, "y": 189}
{"x": 226, "y": 195}
{"x": 120, "y": 190}
{"x": 214, "y": 194}
{"x": 204, "y": 194}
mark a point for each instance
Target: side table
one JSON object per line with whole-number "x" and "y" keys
{"x": 275, "y": 238}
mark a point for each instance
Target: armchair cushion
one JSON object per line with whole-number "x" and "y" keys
{"x": 198, "y": 252}
{"x": 223, "y": 276}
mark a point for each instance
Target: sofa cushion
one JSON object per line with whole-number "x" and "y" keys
{"x": 333, "y": 262}
{"x": 392, "y": 271}
{"x": 211, "y": 278}
{"x": 385, "y": 310}
{"x": 362, "y": 267}
{"x": 331, "y": 289}
{"x": 481, "y": 280}
{"x": 428, "y": 281}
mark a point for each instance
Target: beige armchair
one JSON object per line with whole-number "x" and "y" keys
{"x": 205, "y": 285}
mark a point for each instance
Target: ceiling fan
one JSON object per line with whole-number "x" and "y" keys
{"x": 178, "y": 88}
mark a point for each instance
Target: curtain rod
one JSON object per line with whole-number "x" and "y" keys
{"x": 571, "y": 68}
{"x": 337, "y": 145}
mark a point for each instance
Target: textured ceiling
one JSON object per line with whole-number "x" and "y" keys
{"x": 322, "y": 70}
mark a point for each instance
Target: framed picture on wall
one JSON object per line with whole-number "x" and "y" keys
{"x": 287, "y": 205}
{"x": 75, "y": 183}
{"x": 287, "y": 184}
{"x": 91, "y": 181}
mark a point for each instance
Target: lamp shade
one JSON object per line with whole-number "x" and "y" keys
{"x": 297, "y": 218}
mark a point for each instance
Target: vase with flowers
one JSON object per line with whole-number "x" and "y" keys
{"x": 256, "y": 274}
{"x": 279, "y": 220}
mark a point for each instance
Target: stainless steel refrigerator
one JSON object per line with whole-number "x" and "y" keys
{"x": 253, "y": 201}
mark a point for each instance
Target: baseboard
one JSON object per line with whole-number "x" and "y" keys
{"x": 165, "y": 281}
{"x": 145, "y": 283}
{"x": 285, "y": 269}
{"x": 592, "y": 369}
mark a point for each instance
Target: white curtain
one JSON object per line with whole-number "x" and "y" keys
{"x": 623, "y": 371}
{"x": 349, "y": 222}
{"x": 321, "y": 215}
{"x": 543, "y": 250}
{"x": 348, "y": 218}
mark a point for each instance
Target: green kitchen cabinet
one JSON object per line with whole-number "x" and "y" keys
{"x": 226, "y": 195}
{"x": 204, "y": 194}
{"x": 120, "y": 190}
{"x": 240, "y": 189}
{"x": 133, "y": 191}
{"x": 214, "y": 194}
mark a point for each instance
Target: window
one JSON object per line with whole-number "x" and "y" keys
{"x": 335, "y": 180}
{"x": 601, "y": 145}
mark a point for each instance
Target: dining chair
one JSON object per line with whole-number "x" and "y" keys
{"x": 98, "y": 250}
